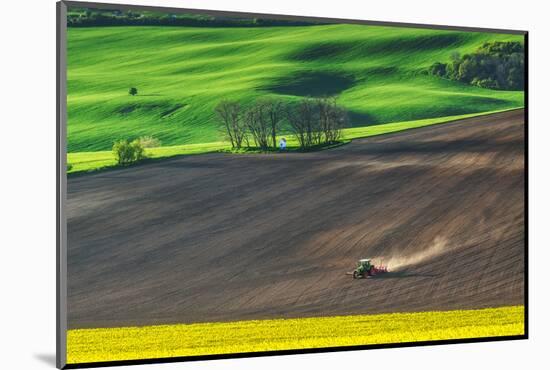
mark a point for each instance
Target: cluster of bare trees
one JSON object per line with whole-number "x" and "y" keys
{"x": 260, "y": 122}
{"x": 313, "y": 121}
{"x": 317, "y": 121}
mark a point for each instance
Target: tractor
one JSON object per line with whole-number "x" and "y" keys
{"x": 365, "y": 269}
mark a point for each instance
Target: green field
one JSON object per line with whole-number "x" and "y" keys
{"x": 378, "y": 74}
{"x": 128, "y": 343}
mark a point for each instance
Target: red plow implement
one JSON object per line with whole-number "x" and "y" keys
{"x": 365, "y": 269}
{"x": 376, "y": 270}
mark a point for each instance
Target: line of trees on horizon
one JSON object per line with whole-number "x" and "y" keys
{"x": 93, "y": 17}
{"x": 313, "y": 121}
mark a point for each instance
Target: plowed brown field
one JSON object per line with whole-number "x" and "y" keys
{"x": 224, "y": 237}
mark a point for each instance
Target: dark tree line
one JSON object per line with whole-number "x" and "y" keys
{"x": 313, "y": 121}
{"x": 88, "y": 17}
{"x": 495, "y": 65}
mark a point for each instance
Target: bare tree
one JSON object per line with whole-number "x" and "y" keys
{"x": 339, "y": 121}
{"x": 332, "y": 119}
{"x": 230, "y": 114}
{"x": 273, "y": 111}
{"x": 302, "y": 120}
{"x": 258, "y": 125}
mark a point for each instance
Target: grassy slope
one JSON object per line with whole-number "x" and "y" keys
{"x": 182, "y": 72}
{"x": 93, "y": 345}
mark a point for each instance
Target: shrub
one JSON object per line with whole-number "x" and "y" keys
{"x": 139, "y": 151}
{"x": 495, "y": 65}
{"x": 149, "y": 142}
{"x": 133, "y": 91}
{"x": 487, "y": 83}
{"x": 128, "y": 152}
{"x": 438, "y": 69}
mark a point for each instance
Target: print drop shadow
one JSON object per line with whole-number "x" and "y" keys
{"x": 46, "y": 358}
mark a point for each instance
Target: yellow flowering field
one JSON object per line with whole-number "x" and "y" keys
{"x": 159, "y": 341}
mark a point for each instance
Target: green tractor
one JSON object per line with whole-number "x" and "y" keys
{"x": 365, "y": 269}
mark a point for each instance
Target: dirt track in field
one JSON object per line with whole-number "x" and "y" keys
{"x": 232, "y": 237}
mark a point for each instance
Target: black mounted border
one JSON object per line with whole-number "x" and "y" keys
{"x": 61, "y": 186}
{"x": 83, "y": 4}
{"x": 61, "y": 189}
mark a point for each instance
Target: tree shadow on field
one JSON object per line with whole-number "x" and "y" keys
{"x": 361, "y": 119}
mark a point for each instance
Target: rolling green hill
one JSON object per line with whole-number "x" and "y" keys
{"x": 378, "y": 74}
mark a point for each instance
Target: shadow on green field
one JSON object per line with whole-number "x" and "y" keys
{"x": 314, "y": 84}
{"x": 369, "y": 48}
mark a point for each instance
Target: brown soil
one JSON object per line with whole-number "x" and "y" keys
{"x": 226, "y": 237}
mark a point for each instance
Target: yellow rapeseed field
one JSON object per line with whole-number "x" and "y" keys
{"x": 127, "y": 343}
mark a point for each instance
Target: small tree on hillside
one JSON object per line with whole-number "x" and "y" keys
{"x": 133, "y": 91}
{"x": 127, "y": 152}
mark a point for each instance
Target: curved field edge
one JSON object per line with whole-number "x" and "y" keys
{"x": 82, "y": 162}
{"x": 128, "y": 343}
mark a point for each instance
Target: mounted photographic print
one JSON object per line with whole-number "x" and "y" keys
{"x": 235, "y": 184}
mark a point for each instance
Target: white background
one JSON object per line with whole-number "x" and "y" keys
{"x": 27, "y": 180}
